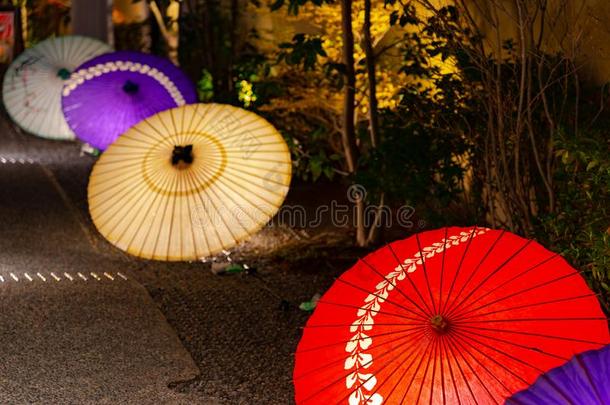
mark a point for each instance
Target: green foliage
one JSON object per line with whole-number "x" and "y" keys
{"x": 312, "y": 157}
{"x": 303, "y": 50}
{"x": 580, "y": 227}
{"x": 253, "y": 80}
{"x": 205, "y": 86}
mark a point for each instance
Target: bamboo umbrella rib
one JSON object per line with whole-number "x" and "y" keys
{"x": 408, "y": 276}
{"x": 493, "y": 360}
{"x": 396, "y": 287}
{"x": 453, "y": 351}
{"x": 191, "y": 206}
{"x": 450, "y": 367}
{"x": 213, "y": 191}
{"x": 163, "y": 216}
{"x": 408, "y": 367}
{"x": 464, "y": 351}
{"x": 341, "y": 379}
{"x": 509, "y": 309}
{"x": 502, "y": 285}
{"x": 534, "y": 349}
{"x": 421, "y": 386}
{"x": 134, "y": 192}
{"x": 226, "y": 180}
{"x": 221, "y": 217}
{"x": 503, "y": 265}
{"x": 205, "y": 235}
{"x": 244, "y": 196}
{"x": 421, "y": 360}
{"x": 440, "y": 296}
{"x": 434, "y": 357}
{"x": 441, "y": 363}
{"x": 412, "y": 355}
{"x": 135, "y": 207}
{"x": 525, "y": 290}
{"x": 464, "y": 338}
{"x": 359, "y": 386}
{"x": 368, "y": 363}
{"x": 102, "y": 219}
{"x": 457, "y": 272}
{"x": 532, "y": 334}
{"x": 478, "y": 267}
{"x": 173, "y": 200}
{"x": 377, "y": 311}
{"x": 425, "y": 271}
{"x": 359, "y": 288}
{"x": 214, "y": 228}
{"x": 343, "y": 342}
{"x": 236, "y": 205}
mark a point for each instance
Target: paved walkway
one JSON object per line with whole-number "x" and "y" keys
{"x": 74, "y": 325}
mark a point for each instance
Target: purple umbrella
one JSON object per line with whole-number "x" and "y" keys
{"x": 583, "y": 380}
{"x": 110, "y": 93}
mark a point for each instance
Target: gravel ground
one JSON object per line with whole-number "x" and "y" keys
{"x": 241, "y": 330}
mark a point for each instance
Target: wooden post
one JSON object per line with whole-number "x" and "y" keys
{"x": 93, "y": 18}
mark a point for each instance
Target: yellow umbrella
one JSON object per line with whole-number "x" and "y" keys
{"x": 189, "y": 182}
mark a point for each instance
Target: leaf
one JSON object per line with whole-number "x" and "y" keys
{"x": 592, "y": 164}
{"x": 315, "y": 165}
{"x": 355, "y": 397}
{"x": 394, "y": 17}
{"x": 307, "y": 306}
{"x": 350, "y": 381}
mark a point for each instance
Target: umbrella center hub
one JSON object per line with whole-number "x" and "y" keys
{"x": 439, "y": 324}
{"x": 130, "y": 87}
{"x": 63, "y": 73}
{"x": 182, "y": 156}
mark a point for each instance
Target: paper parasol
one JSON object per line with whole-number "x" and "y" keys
{"x": 189, "y": 182}
{"x": 456, "y": 315}
{"x": 110, "y": 93}
{"x": 34, "y": 81}
{"x": 583, "y": 380}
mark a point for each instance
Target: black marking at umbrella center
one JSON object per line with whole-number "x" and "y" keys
{"x": 130, "y": 87}
{"x": 440, "y": 324}
{"x": 63, "y": 73}
{"x": 182, "y": 156}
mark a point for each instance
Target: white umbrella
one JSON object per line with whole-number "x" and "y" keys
{"x": 34, "y": 81}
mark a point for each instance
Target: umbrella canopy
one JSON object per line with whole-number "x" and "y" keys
{"x": 34, "y": 81}
{"x": 456, "y": 315}
{"x": 109, "y": 94}
{"x": 583, "y": 380}
{"x": 189, "y": 182}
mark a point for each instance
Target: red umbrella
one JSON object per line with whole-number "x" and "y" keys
{"x": 452, "y": 316}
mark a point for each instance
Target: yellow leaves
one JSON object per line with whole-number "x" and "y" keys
{"x": 246, "y": 93}
{"x": 327, "y": 19}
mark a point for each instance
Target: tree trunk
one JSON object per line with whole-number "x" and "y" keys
{"x": 349, "y": 89}
{"x": 349, "y": 99}
{"x": 370, "y": 68}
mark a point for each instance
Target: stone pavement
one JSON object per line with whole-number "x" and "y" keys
{"x": 75, "y": 327}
